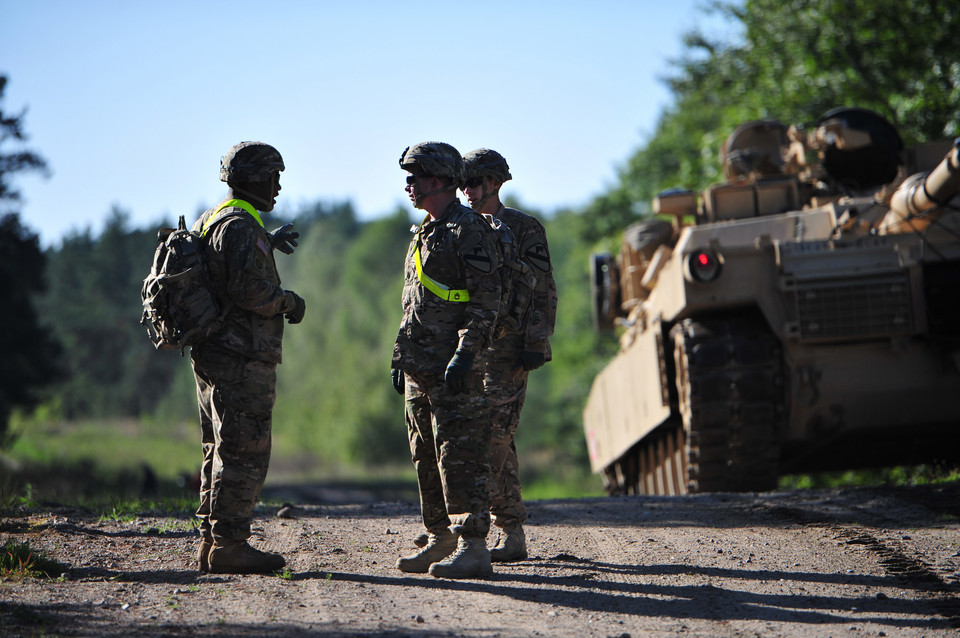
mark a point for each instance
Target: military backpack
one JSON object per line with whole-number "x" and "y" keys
{"x": 180, "y": 304}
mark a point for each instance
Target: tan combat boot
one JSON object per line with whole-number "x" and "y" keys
{"x": 237, "y": 557}
{"x": 512, "y": 545}
{"x": 471, "y": 560}
{"x": 438, "y": 547}
{"x": 203, "y": 551}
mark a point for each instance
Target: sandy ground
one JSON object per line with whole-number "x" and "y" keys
{"x": 854, "y": 562}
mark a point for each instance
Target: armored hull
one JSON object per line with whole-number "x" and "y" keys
{"x": 792, "y": 327}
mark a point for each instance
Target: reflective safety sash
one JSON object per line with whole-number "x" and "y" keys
{"x": 231, "y": 202}
{"x": 434, "y": 286}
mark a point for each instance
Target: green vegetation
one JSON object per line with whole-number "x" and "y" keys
{"x": 19, "y": 560}
{"x": 124, "y": 412}
{"x": 791, "y": 61}
{"x": 899, "y": 476}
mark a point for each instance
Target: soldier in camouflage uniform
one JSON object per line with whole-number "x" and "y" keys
{"x": 451, "y": 295}
{"x": 235, "y": 370}
{"x": 514, "y": 352}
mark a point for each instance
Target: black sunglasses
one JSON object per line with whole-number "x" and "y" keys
{"x": 472, "y": 183}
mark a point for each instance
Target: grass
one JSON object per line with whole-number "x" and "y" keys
{"x": 891, "y": 476}
{"x": 122, "y": 469}
{"x": 125, "y": 511}
{"x": 19, "y": 560}
{"x": 118, "y": 444}
{"x": 575, "y": 485}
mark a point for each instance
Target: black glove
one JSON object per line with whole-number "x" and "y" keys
{"x": 396, "y": 375}
{"x": 532, "y": 360}
{"x": 295, "y": 315}
{"x": 284, "y": 240}
{"x": 458, "y": 371}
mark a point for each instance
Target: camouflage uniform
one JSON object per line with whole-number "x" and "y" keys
{"x": 235, "y": 373}
{"x": 449, "y": 433}
{"x": 505, "y": 380}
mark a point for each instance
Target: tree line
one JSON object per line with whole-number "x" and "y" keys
{"x": 336, "y": 404}
{"x": 790, "y": 60}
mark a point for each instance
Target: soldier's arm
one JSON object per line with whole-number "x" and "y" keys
{"x": 481, "y": 258}
{"x": 542, "y": 315}
{"x": 247, "y": 257}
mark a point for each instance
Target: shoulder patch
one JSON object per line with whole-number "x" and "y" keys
{"x": 259, "y": 265}
{"x": 538, "y": 257}
{"x": 479, "y": 259}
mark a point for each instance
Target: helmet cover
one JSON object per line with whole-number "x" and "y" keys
{"x": 435, "y": 159}
{"x": 484, "y": 162}
{"x": 250, "y": 162}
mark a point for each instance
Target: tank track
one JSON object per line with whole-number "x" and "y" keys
{"x": 732, "y": 401}
{"x": 732, "y": 411}
{"x": 655, "y": 465}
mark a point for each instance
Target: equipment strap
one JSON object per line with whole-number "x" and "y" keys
{"x": 434, "y": 286}
{"x": 229, "y": 203}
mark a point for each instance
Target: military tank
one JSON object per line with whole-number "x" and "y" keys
{"x": 802, "y": 316}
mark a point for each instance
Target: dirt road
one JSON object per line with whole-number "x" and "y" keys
{"x": 856, "y": 562}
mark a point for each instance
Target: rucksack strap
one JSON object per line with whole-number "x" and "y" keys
{"x": 239, "y": 203}
{"x": 444, "y": 292}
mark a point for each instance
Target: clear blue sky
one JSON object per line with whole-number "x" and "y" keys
{"x": 133, "y": 103}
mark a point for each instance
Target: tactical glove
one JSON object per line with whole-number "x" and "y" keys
{"x": 295, "y": 314}
{"x": 396, "y": 375}
{"x": 458, "y": 371}
{"x": 284, "y": 240}
{"x": 532, "y": 360}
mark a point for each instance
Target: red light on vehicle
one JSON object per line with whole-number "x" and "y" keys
{"x": 702, "y": 266}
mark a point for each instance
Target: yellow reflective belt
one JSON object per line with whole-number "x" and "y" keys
{"x": 231, "y": 202}
{"x": 436, "y": 287}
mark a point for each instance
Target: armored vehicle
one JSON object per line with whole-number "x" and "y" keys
{"x": 802, "y": 316}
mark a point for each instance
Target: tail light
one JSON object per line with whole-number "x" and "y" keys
{"x": 702, "y": 266}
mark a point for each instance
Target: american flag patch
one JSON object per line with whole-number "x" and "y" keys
{"x": 263, "y": 246}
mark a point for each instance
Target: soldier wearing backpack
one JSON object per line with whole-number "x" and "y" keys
{"x": 516, "y": 349}
{"x": 235, "y": 369}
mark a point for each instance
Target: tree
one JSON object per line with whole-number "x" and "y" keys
{"x": 30, "y": 355}
{"x": 793, "y": 61}
{"x": 93, "y": 307}
{"x": 17, "y": 161}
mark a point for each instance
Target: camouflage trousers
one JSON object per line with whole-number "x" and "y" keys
{"x": 236, "y": 396}
{"x": 505, "y": 384}
{"x": 449, "y": 441}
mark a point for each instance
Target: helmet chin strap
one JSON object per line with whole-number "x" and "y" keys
{"x": 486, "y": 197}
{"x": 253, "y": 197}
{"x": 421, "y": 196}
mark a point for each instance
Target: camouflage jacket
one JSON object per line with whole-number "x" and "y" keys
{"x": 458, "y": 250}
{"x": 542, "y": 315}
{"x": 244, "y": 272}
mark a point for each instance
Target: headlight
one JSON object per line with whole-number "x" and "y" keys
{"x": 702, "y": 266}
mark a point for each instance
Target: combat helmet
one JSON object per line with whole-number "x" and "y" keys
{"x": 435, "y": 159}
{"x": 250, "y": 162}
{"x": 484, "y": 162}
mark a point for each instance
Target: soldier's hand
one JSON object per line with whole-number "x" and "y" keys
{"x": 284, "y": 239}
{"x": 532, "y": 360}
{"x": 295, "y": 314}
{"x": 458, "y": 371}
